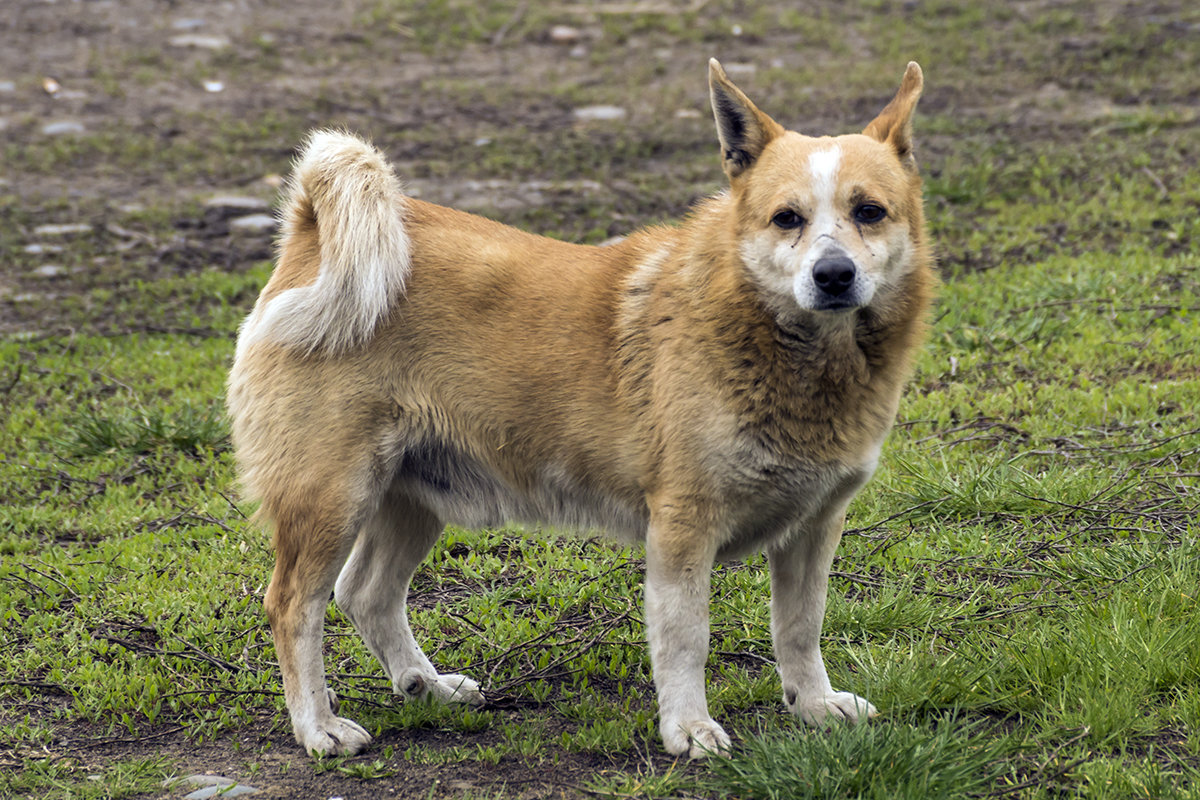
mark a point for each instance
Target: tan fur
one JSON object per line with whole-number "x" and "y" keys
{"x": 664, "y": 388}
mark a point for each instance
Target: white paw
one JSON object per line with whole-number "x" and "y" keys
{"x": 698, "y": 738}
{"x": 414, "y": 683}
{"x": 817, "y": 710}
{"x": 333, "y": 736}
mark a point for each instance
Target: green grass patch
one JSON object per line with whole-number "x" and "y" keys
{"x": 1017, "y": 587}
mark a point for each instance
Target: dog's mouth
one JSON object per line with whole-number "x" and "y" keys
{"x": 837, "y": 305}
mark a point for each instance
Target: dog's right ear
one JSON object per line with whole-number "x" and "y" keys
{"x": 743, "y": 130}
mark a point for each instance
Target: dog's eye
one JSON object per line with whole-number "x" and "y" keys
{"x": 787, "y": 219}
{"x": 869, "y": 213}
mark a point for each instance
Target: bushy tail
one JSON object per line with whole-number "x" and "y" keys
{"x": 343, "y": 192}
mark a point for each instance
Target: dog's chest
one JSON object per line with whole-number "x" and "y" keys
{"x": 768, "y": 498}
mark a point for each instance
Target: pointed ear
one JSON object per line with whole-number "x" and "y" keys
{"x": 894, "y": 124}
{"x": 743, "y": 130}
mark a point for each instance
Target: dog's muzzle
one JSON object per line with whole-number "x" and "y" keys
{"x": 834, "y": 278}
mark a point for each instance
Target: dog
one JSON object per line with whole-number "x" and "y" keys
{"x": 713, "y": 389}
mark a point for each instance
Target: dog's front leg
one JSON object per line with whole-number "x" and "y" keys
{"x": 799, "y": 581}
{"x": 678, "y": 573}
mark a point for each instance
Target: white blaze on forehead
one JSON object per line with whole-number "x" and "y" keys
{"x": 824, "y": 166}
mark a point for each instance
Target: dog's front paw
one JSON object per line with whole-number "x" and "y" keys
{"x": 817, "y": 710}
{"x": 414, "y": 683}
{"x": 698, "y": 738}
{"x": 333, "y": 736}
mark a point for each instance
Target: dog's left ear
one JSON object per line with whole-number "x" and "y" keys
{"x": 894, "y": 124}
{"x": 743, "y": 130}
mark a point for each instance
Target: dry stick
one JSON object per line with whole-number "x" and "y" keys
{"x": 1038, "y": 776}
{"x": 196, "y": 655}
{"x": 102, "y": 742}
{"x": 548, "y": 670}
{"x": 15, "y": 380}
{"x": 498, "y": 37}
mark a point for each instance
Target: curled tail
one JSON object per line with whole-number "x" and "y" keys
{"x": 344, "y": 209}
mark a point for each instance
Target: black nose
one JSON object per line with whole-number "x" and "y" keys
{"x": 834, "y": 274}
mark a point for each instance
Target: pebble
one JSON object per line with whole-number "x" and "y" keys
{"x": 201, "y": 40}
{"x": 564, "y": 34}
{"x": 8, "y": 86}
{"x": 740, "y": 70}
{"x": 599, "y": 113}
{"x": 236, "y": 201}
{"x": 63, "y": 229}
{"x": 49, "y": 271}
{"x": 255, "y": 223}
{"x": 65, "y": 126}
{"x": 210, "y": 786}
{"x": 187, "y": 24}
{"x": 40, "y": 249}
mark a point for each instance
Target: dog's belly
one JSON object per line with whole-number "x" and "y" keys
{"x": 463, "y": 491}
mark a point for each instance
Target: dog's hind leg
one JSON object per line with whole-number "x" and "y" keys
{"x": 372, "y": 591}
{"x": 799, "y": 582}
{"x": 312, "y": 540}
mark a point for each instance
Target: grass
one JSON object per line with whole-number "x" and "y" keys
{"x": 1017, "y": 588}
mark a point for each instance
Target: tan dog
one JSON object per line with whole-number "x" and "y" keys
{"x": 714, "y": 389}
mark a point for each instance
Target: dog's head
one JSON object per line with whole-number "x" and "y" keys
{"x": 824, "y": 225}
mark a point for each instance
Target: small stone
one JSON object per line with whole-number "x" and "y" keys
{"x": 236, "y": 201}
{"x": 50, "y": 271}
{"x": 213, "y": 87}
{"x": 233, "y": 790}
{"x": 740, "y": 70}
{"x": 62, "y": 127}
{"x": 599, "y": 113}
{"x": 8, "y": 86}
{"x": 200, "y": 40}
{"x": 255, "y": 223}
{"x": 564, "y": 34}
{"x": 210, "y": 786}
{"x": 64, "y": 229}
{"x": 687, "y": 113}
{"x": 187, "y": 24}
{"x": 41, "y": 249}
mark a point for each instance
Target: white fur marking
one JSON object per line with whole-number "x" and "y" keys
{"x": 824, "y": 166}
{"x": 358, "y": 205}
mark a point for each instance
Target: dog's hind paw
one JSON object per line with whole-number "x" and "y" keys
{"x": 699, "y": 739}
{"x": 457, "y": 689}
{"x": 335, "y": 736}
{"x": 818, "y": 710}
{"x": 414, "y": 683}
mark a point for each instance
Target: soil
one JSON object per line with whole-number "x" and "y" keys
{"x": 164, "y": 71}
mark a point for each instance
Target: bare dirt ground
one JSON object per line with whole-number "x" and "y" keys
{"x": 111, "y": 111}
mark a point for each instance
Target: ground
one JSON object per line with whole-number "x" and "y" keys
{"x": 133, "y": 123}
